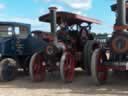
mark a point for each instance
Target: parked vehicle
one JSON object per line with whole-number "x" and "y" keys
{"x": 71, "y": 46}
{"x": 115, "y": 56}
{"x": 16, "y": 48}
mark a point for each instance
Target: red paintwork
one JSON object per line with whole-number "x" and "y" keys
{"x": 69, "y": 67}
{"x": 43, "y": 35}
{"x": 101, "y": 70}
{"x": 71, "y": 18}
{"x": 38, "y": 68}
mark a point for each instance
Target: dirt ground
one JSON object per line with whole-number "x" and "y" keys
{"x": 82, "y": 86}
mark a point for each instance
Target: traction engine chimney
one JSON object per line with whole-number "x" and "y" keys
{"x": 121, "y": 13}
{"x": 53, "y": 22}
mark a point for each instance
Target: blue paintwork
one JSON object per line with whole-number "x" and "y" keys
{"x": 29, "y": 45}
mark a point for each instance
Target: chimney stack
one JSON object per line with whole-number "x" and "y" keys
{"x": 53, "y": 22}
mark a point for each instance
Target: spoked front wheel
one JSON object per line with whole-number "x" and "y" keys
{"x": 37, "y": 67}
{"x": 98, "y": 70}
{"x": 67, "y": 67}
{"x": 8, "y": 69}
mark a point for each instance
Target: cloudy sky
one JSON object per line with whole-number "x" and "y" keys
{"x": 28, "y": 11}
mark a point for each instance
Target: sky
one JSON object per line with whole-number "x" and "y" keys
{"x": 28, "y": 11}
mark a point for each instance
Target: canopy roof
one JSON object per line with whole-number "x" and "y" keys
{"x": 70, "y": 18}
{"x": 14, "y": 24}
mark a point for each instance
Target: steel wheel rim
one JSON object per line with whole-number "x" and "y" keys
{"x": 68, "y": 67}
{"x": 38, "y": 67}
{"x": 101, "y": 70}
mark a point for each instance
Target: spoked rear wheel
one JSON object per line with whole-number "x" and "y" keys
{"x": 99, "y": 71}
{"x": 37, "y": 67}
{"x": 67, "y": 67}
{"x": 89, "y": 48}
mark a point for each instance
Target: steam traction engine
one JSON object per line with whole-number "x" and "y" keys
{"x": 65, "y": 47}
{"x": 114, "y": 57}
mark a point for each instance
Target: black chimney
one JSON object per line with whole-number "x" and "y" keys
{"x": 53, "y": 22}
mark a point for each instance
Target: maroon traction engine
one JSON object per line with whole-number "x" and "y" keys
{"x": 114, "y": 57}
{"x": 71, "y": 46}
